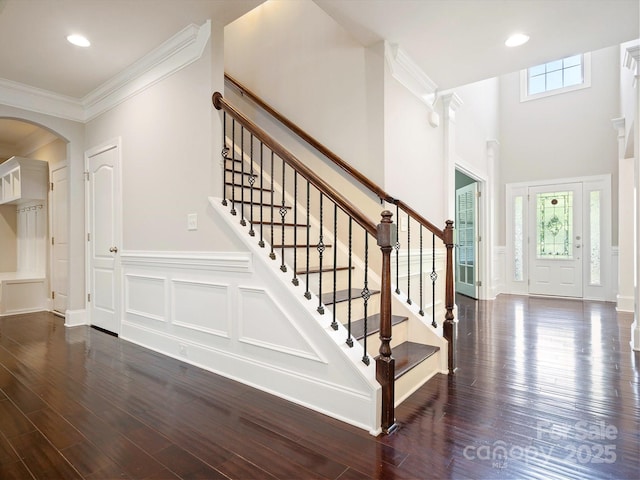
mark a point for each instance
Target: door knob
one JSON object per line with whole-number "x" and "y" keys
{"x": 113, "y": 249}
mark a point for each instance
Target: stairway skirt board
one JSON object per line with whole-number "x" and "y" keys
{"x": 418, "y": 359}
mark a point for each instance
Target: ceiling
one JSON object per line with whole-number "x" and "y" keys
{"x": 455, "y": 42}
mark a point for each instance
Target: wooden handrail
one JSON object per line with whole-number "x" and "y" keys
{"x": 221, "y": 104}
{"x": 310, "y": 140}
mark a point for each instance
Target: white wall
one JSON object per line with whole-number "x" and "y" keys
{"x": 300, "y": 61}
{"x": 414, "y": 165}
{"x": 8, "y": 235}
{"x": 168, "y": 169}
{"x": 561, "y": 136}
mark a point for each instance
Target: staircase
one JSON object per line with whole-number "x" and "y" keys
{"x": 327, "y": 248}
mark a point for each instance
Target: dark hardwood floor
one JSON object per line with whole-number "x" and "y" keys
{"x": 545, "y": 389}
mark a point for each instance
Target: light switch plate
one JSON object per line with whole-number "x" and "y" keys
{"x": 192, "y": 221}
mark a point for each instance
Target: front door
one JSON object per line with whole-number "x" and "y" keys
{"x": 467, "y": 235}
{"x": 60, "y": 239}
{"x": 555, "y": 240}
{"x": 103, "y": 237}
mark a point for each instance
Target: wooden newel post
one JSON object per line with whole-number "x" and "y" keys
{"x": 449, "y": 326}
{"x": 385, "y": 363}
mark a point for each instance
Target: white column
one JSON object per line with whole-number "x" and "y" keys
{"x": 451, "y": 102}
{"x": 625, "y": 292}
{"x": 633, "y": 55}
{"x": 492, "y": 201}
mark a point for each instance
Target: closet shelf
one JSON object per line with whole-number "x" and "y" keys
{"x": 22, "y": 180}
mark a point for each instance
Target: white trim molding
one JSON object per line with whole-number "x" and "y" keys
{"x": 220, "y": 261}
{"x": 179, "y": 51}
{"x": 75, "y": 318}
{"x": 409, "y": 74}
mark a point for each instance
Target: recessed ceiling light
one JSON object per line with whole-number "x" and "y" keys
{"x": 79, "y": 40}
{"x": 516, "y": 40}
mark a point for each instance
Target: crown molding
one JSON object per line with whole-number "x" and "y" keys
{"x": 409, "y": 74}
{"x": 37, "y": 100}
{"x": 173, "y": 55}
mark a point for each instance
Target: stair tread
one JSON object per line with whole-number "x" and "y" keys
{"x": 373, "y": 325}
{"x": 316, "y": 269}
{"x": 410, "y": 354}
{"x": 279, "y": 224}
{"x": 291, "y": 245}
{"x": 343, "y": 295}
{"x": 264, "y": 189}
{"x": 258, "y": 204}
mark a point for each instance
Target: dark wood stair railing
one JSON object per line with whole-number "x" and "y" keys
{"x": 445, "y": 235}
{"x": 384, "y": 362}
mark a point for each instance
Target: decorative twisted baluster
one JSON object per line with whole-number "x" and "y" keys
{"x": 397, "y": 247}
{"x": 261, "y": 242}
{"x": 321, "y": 248}
{"x": 434, "y": 277}
{"x": 421, "y": 312}
{"x": 243, "y": 222}
{"x": 272, "y": 254}
{"x": 225, "y": 152}
{"x": 307, "y": 294}
{"x": 295, "y": 280}
{"x": 252, "y": 180}
{"x": 349, "y": 337}
{"x": 283, "y": 212}
{"x": 334, "y": 323}
{"x": 233, "y": 166}
{"x": 409, "y": 260}
{"x": 366, "y": 295}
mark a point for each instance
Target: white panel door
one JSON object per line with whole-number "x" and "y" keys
{"x": 466, "y": 240}
{"x": 555, "y": 240}
{"x": 103, "y": 239}
{"x": 60, "y": 239}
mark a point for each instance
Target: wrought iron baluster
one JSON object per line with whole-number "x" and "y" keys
{"x": 252, "y": 180}
{"x": 434, "y": 277}
{"x": 366, "y": 295}
{"x": 295, "y": 280}
{"x": 307, "y": 294}
{"x": 421, "y": 312}
{"x": 233, "y": 166}
{"x": 349, "y": 337}
{"x": 321, "y": 248}
{"x": 334, "y": 323}
{"x": 283, "y": 212}
{"x": 409, "y": 259}
{"x": 397, "y": 247}
{"x": 272, "y": 254}
{"x": 261, "y": 242}
{"x": 225, "y": 154}
{"x": 243, "y": 222}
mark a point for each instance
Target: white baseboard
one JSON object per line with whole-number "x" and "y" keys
{"x": 624, "y": 304}
{"x": 75, "y": 318}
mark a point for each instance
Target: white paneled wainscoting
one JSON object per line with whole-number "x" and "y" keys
{"x": 234, "y": 315}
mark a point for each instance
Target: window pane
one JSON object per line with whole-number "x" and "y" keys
{"x": 518, "y": 250}
{"x": 553, "y": 66}
{"x": 536, "y": 85}
{"x": 594, "y": 237}
{"x": 554, "y": 80}
{"x": 554, "y": 220}
{"x": 572, "y": 61}
{"x": 537, "y": 70}
{"x": 573, "y": 76}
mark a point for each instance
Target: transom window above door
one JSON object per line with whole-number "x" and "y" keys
{"x": 555, "y": 77}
